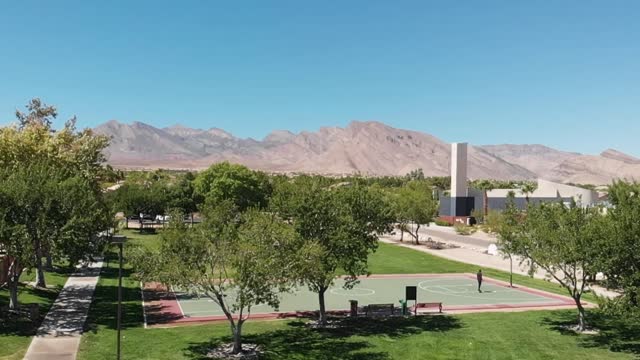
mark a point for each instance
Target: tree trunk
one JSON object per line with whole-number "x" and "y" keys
{"x": 13, "y": 294}
{"x": 40, "y": 282}
{"x": 510, "y": 270}
{"x": 582, "y": 325}
{"x": 323, "y": 312}
{"x": 237, "y": 338}
{"x": 418, "y": 235}
{"x": 141, "y": 225}
{"x": 485, "y": 199}
{"x": 401, "y": 227}
{"x": 49, "y": 261}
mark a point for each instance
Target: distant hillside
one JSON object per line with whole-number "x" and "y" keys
{"x": 367, "y": 148}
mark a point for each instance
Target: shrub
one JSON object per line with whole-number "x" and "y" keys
{"x": 442, "y": 223}
{"x": 462, "y": 229}
{"x": 493, "y": 221}
{"x": 478, "y": 215}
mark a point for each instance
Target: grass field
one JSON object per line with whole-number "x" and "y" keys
{"x": 530, "y": 335}
{"x": 16, "y": 337}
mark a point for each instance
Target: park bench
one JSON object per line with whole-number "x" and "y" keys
{"x": 379, "y": 310}
{"x": 431, "y": 305}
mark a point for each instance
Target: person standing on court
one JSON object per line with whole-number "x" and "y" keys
{"x": 479, "y": 276}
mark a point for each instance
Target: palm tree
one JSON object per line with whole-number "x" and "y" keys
{"x": 528, "y": 188}
{"x": 485, "y": 186}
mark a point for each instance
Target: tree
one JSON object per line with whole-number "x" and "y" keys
{"x": 440, "y": 182}
{"x": 415, "y": 203}
{"x": 399, "y": 211}
{"x": 416, "y": 174}
{"x": 485, "y": 186}
{"x": 225, "y": 181}
{"x": 621, "y": 258}
{"x": 134, "y": 199}
{"x": 14, "y": 241}
{"x": 342, "y": 221}
{"x": 68, "y": 151}
{"x": 84, "y": 215}
{"x": 44, "y": 207}
{"x": 182, "y": 195}
{"x": 528, "y": 188}
{"x": 236, "y": 261}
{"x": 508, "y": 228}
{"x": 38, "y": 113}
{"x": 566, "y": 243}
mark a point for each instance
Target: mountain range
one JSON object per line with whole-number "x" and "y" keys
{"x": 367, "y": 148}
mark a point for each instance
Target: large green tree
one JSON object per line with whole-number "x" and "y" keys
{"x": 226, "y": 181}
{"x": 343, "y": 221}
{"x": 45, "y": 207}
{"x": 68, "y": 152}
{"x": 13, "y": 239}
{"x": 621, "y": 257}
{"x": 566, "y": 242}
{"x": 237, "y": 260}
{"x": 134, "y": 199}
{"x": 414, "y": 203}
{"x": 508, "y": 226}
{"x": 181, "y": 194}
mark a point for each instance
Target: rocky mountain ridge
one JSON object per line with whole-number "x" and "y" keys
{"x": 367, "y": 148}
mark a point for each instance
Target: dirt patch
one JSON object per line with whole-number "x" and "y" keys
{"x": 438, "y": 245}
{"x": 249, "y": 352}
{"x": 576, "y": 329}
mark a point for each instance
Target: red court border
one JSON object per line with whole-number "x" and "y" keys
{"x": 171, "y": 312}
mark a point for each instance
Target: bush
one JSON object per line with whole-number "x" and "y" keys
{"x": 442, "y": 223}
{"x": 493, "y": 222}
{"x": 462, "y": 229}
{"x": 478, "y": 215}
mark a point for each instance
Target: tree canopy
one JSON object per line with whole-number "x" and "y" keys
{"x": 225, "y": 181}
{"x": 567, "y": 242}
{"x": 342, "y": 221}
{"x": 57, "y": 191}
{"x": 621, "y": 257}
{"x": 414, "y": 203}
{"x": 236, "y": 261}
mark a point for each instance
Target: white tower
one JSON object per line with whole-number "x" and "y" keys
{"x": 459, "y": 187}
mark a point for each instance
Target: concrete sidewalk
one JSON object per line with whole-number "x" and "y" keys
{"x": 59, "y": 334}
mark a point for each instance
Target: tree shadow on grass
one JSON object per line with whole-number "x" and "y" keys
{"x": 299, "y": 341}
{"x": 18, "y": 326}
{"x": 103, "y": 311}
{"x": 19, "y": 323}
{"x": 614, "y": 333}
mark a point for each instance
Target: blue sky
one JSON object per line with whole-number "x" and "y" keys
{"x": 560, "y": 73}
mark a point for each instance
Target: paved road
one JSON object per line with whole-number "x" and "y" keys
{"x": 59, "y": 334}
{"x": 444, "y": 236}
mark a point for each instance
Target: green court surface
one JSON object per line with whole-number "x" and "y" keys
{"x": 457, "y": 292}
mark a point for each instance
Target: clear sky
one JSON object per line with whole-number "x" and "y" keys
{"x": 561, "y": 73}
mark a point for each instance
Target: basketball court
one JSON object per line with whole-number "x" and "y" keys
{"x": 457, "y": 293}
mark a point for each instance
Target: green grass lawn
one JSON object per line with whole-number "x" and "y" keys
{"x": 530, "y": 335}
{"x": 15, "y": 336}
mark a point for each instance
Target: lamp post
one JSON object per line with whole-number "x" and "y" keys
{"x": 119, "y": 240}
